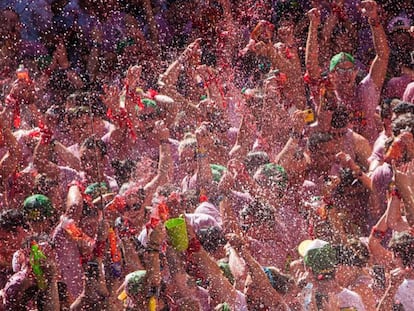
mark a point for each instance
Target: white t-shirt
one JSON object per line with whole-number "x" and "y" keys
{"x": 349, "y": 299}
{"x": 405, "y": 295}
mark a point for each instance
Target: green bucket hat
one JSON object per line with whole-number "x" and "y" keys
{"x": 339, "y": 58}
{"x": 217, "y": 170}
{"x": 135, "y": 282}
{"x": 96, "y": 189}
{"x": 37, "y": 207}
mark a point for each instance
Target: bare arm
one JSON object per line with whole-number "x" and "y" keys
{"x": 378, "y": 67}
{"x": 312, "y": 46}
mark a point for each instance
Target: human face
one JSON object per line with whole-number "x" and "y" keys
{"x": 9, "y": 243}
{"x": 344, "y": 74}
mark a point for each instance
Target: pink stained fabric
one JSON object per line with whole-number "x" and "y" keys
{"x": 68, "y": 261}
{"x": 396, "y": 86}
{"x": 408, "y": 95}
{"x": 366, "y": 100}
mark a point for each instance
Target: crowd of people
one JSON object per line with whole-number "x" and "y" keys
{"x": 279, "y": 132}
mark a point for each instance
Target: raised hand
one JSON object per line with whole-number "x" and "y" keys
{"x": 314, "y": 16}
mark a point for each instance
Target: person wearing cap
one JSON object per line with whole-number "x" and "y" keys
{"x": 39, "y": 212}
{"x": 402, "y": 56}
{"x": 360, "y": 100}
{"x": 337, "y": 274}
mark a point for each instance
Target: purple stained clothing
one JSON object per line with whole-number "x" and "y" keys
{"x": 206, "y": 208}
{"x": 408, "y": 95}
{"x": 362, "y": 107}
{"x": 378, "y": 151}
{"x": 68, "y": 261}
{"x": 396, "y": 86}
{"x": 381, "y": 178}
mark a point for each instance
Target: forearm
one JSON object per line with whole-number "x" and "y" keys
{"x": 379, "y": 38}
{"x": 51, "y": 295}
{"x": 312, "y": 52}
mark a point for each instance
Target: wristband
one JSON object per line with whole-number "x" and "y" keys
{"x": 295, "y": 135}
{"x": 374, "y": 22}
{"x": 378, "y": 234}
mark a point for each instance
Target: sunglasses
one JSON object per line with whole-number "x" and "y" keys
{"x": 344, "y": 70}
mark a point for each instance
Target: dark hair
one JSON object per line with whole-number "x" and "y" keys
{"x": 317, "y": 138}
{"x": 255, "y": 159}
{"x": 403, "y": 107}
{"x": 403, "y": 123}
{"x": 355, "y": 253}
{"x": 402, "y": 244}
{"x": 92, "y": 142}
{"x": 11, "y": 219}
{"x": 211, "y": 238}
{"x": 260, "y": 211}
{"x": 280, "y": 281}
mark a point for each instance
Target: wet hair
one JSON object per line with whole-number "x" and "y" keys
{"x": 354, "y": 253}
{"x": 340, "y": 117}
{"x": 92, "y": 142}
{"x": 211, "y": 238}
{"x": 11, "y": 219}
{"x": 280, "y": 281}
{"x": 403, "y": 107}
{"x": 123, "y": 170}
{"x": 317, "y": 138}
{"x": 260, "y": 211}
{"x": 256, "y": 159}
{"x": 166, "y": 189}
{"x": 402, "y": 244}
{"x": 403, "y": 123}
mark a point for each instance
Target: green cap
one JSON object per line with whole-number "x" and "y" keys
{"x": 339, "y": 58}
{"x": 37, "y": 207}
{"x": 217, "y": 171}
{"x": 150, "y": 103}
{"x": 96, "y": 189}
{"x": 135, "y": 282}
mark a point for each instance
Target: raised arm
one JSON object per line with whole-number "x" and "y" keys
{"x": 260, "y": 289}
{"x": 379, "y": 65}
{"x": 312, "y": 45}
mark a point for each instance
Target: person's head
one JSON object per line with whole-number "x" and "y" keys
{"x": 258, "y": 219}
{"x": 402, "y": 246}
{"x": 79, "y": 121}
{"x": 254, "y": 160}
{"x": 39, "y": 212}
{"x": 92, "y": 153}
{"x": 148, "y": 115}
{"x": 350, "y": 257}
{"x": 187, "y": 152}
{"x": 398, "y": 34}
{"x": 320, "y": 257}
{"x": 13, "y": 231}
{"x": 401, "y": 107}
{"x": 403, "y": 123}
{"x": 272, "y": 179}
{"x": 280, "y": 281}
{"x": 342, "y": 70}
{"x": 212, "y": 239}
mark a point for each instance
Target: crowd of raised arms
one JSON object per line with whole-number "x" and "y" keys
{"x": 206, "y": 155}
